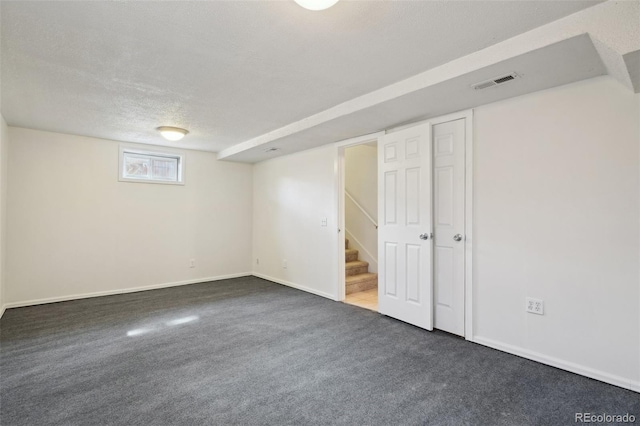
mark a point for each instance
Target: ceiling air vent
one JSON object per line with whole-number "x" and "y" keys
{"x": 495, "y": 81}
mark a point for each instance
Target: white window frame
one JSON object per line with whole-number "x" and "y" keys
{"x": 168, "y": 153}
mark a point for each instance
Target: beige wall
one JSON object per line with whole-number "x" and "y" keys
{"x": 361, "y": 176}
{"x": 291, "y": 196}
{"x": 75, "y": 230}
{"x": 4, "y": 151}
{"x": 361, "y": 182}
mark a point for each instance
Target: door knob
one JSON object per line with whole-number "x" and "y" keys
{"x": 424, "y": 236}
{"x": 457, "y": 237}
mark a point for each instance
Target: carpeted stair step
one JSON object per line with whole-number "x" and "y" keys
{"x": 350, "y": 255}
{"x": 356, "y": 267}
{"x": 361, "y": 282}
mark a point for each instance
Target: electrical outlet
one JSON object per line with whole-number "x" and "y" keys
{"x": 192, "y": 263}
{"x": 535, "y": 306}
{"x": 284, "y": 263}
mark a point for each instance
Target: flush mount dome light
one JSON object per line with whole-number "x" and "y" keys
{"x": 172, "y": 133}
{"x": 316, "y": 4}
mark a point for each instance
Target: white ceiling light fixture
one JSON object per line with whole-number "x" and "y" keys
{"x": 316, "y": 4}
{"x": 172, "y": 133}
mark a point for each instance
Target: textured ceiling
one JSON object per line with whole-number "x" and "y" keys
{"x": 228, "y": 71}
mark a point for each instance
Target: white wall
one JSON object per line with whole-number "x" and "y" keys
{"x": 361, "y": 182}
{"x": 74, "y": 229}
{"x": 291, "y": 196}
{"x": 4, "y": 145}
{"x": 556, "y": 218}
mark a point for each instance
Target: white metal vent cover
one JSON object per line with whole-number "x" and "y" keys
{"x": 495, "y": 81}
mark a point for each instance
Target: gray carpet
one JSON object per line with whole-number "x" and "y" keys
{"x": 249, "y": 352}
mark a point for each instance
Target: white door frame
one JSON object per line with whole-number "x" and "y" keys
{"x": 468, "y": 205}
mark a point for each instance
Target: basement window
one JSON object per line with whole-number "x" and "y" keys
{"x": 151, "y": 167}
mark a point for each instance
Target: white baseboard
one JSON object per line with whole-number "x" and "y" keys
{"x": 2, "y": 309}
{"x": 120, "y": 291}
{"x": 296, "y": 286}
{"x": 559, "y": 363}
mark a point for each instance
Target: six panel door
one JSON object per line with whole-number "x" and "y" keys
{"x": 449, "y": 225}
{"x": 404, "y": 209}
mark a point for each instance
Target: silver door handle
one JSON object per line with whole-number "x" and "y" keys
{"x": 424, "y": 236}
{"x": 457, "y": 237}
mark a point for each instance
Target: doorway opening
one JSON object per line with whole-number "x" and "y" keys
{"x": 359, "y": 173}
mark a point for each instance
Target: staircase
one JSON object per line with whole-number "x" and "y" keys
{"x": 358, "y": 277}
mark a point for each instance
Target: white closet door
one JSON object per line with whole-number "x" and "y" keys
{"x": 449, "y": 225}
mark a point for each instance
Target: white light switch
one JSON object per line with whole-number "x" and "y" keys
{"x": 323, "y": 222}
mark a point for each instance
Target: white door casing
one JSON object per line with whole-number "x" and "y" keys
{"x": 449, "y": 226}
{"x": 404, "y": 213}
